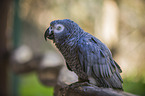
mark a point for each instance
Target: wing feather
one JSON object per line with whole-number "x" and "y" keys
{"x": 96, "y": 60}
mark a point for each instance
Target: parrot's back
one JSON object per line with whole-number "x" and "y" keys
{"x": 96, "y": 60}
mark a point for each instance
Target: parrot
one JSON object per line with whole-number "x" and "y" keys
{"x": 85, "y": 54}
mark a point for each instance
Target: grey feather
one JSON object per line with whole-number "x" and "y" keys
{"x": 87, "y": 56}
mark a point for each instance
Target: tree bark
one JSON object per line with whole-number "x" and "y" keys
{"x": 4, "y": 7}
{"x": 63, "y": 87}
{"x": 87, "y": 90}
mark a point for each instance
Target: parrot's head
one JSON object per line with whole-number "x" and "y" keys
{"x": 60, "y": 30}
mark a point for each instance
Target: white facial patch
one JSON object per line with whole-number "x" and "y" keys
{"x": 58, "y": 28}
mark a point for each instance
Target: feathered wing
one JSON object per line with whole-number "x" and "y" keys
{"x": 96, "y": 60}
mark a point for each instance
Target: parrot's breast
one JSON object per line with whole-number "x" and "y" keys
{"x": 69, "y": 51}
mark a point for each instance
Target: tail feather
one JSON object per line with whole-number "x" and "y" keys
{"x": 115, "y": 81}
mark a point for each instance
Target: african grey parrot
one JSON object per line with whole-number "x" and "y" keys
{"x": 86, "y": 55}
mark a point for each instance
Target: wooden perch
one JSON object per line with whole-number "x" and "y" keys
{"x": 62, "y": 87}
{"x": 87, "y": 90}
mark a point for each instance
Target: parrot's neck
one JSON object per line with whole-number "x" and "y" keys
{"x": 73, "y": 38}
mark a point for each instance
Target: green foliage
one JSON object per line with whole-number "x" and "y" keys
{"x": 31, "y": 86}
{"x": 135, "y": 87}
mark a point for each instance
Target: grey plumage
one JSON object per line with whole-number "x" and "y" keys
{"x": 86, "y": 55}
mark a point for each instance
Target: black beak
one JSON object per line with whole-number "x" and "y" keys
{"x": 46, "y": 34}
{"x": 49, "y": 34}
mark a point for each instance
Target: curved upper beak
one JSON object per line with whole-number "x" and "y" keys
{"x": 49, "y": 34}
{"x": 46, "y": 34}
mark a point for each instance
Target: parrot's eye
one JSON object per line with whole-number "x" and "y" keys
{"x": 59, "y": 28}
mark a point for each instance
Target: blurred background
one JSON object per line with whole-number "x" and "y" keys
{"x": 120, "y": 24}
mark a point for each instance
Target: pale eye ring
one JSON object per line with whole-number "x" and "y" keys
{"x": 58, "y": 28}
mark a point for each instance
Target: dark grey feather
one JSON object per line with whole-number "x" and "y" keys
{"x": 87, "y": 56}
{"x": 103, "y": 66}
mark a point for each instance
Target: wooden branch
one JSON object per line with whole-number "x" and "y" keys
{"x": 87, "y": 90}
{"x": 82, "y": 89}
